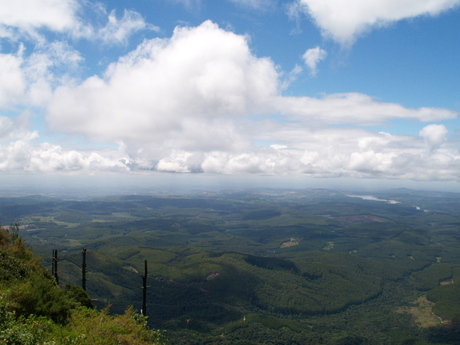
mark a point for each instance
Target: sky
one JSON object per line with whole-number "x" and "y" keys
{"x": 293, "y": 90}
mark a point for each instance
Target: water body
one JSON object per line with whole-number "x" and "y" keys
{"x": 373, "y": 198}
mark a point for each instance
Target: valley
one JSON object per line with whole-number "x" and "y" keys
{"x": 311, "y": 266}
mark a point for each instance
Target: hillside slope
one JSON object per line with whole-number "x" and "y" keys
{"x": 35, "y": 310}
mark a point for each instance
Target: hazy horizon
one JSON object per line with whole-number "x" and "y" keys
{"x": 160, "y": 183}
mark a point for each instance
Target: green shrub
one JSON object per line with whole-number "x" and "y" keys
{"x": 39, "y": 295}
{"x": 24, "y": 330}
{"x": 91, "y": 327}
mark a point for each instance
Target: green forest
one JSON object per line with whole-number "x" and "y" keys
{"x": 234, "y": 267}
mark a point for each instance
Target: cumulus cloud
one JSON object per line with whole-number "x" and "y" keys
{"x": 343, "y": 21}
{"x": 176, "y": 88}
{"x": 329, "y": 152}
{"x": 42, "y": 158}
{"x": 434, "y": 136}
{"x": 312, "y": 57}
{"x": 176, "y": 92}
{"x": 326, "y": 153}
{"x": 21, "y": 150}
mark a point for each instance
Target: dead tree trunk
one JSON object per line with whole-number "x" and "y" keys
{"x": 54, "y": 266}
{"x": 83, "y": 269}
{"x": 144, "y": 290}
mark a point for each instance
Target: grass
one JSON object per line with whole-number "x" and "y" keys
{"x": 422, "y": 311}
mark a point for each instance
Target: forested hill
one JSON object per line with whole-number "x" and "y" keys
{"x": 34, "y": 310}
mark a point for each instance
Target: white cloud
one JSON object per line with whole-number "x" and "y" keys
{"x": 29, "y": 75}
{"x": 343, "y": 21}
{"x": 31, "y": 17}
{"x": 119, "y": 30}
{"x": 434, "y": 136}
{"x": 312, "y": 57}
{"x": 187, "y": 104}
{"x": 330, "y": 153}
{"x": 290, "y": 77}
{"x": 26, "y": 154}
{"x": 192, "y": 91}
{"x": 201, "y": 101}
{"x": 353, "y": 108}
{"x": 177, "y": 88}
{"x": 176, "y": 162}
{"x": 46, "y": 67}
{"x": 12, "y": 81}
{"x": 21, "y": 151}
{"x": 15, "y": 128}
{"x": 334, "y": 152}
{"x": 26, "y": 80}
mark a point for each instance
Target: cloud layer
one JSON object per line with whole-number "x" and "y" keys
{"x": 201, "y": 101}
{"x": 315, "y": 153}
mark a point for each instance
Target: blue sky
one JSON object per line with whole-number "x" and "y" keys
{"x": 300, "y": 90}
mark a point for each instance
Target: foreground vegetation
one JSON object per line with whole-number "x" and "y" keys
{"x": 35, "y": 310}
{"x": 259, "y": 267}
